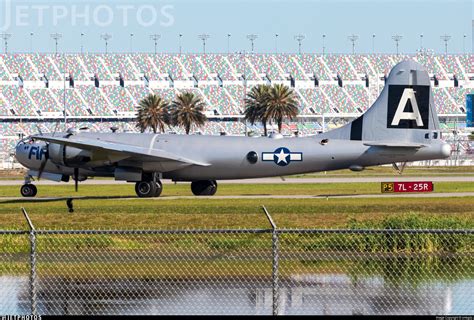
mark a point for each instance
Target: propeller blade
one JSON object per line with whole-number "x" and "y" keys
{"x": 43, "y": 163}
{"x": 76, "y": 179}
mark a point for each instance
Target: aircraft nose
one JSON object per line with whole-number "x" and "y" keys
{"x": 21, "y": 152}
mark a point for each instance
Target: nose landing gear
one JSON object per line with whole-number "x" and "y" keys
{"x": 28, "y": 190}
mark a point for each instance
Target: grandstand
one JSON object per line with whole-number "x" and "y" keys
{"x": 100, "y": 91}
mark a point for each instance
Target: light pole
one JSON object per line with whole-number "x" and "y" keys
{"x": 106, "y": 37}
{"x": 179, "y": 41}
{"x": 56, "y": 37}
{"x": 445, "y": 38}
{"x": 31, "y": 42}
{"x": 373, "y": 43}
{"x": 204, "y": 38}
{"x": 131, "y": 42}
{"x": 276, "y": 43}
{"x": 228, "y": 43}
{"x": 5, "y": 37}
{"x": 82, "y": 43}
{"x": 252, "y": 38}
{"x": 421, "y": 42}
{"x": 324, "y": 48}
{"x": 397, "y": 38}
{"x": 299, "y": 38}
{"x": 353, "y": 38}
{"x": 464, "y": 43}
{"x": 155, "y": 37}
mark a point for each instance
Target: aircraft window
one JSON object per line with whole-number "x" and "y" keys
{"x": 252, "y": 157}
{"x": 427, "y": 135}
{"x": 435, "y": 135}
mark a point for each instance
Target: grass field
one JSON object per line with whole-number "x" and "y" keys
{"x": 371, "y": 171}
{"x": 98, "y": 212}
{"x": 183, "y": 189}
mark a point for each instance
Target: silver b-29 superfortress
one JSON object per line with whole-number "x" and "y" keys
{"x": 401, "y": 126}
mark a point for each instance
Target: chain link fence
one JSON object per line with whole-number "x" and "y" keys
{"x": 261, "y": 271}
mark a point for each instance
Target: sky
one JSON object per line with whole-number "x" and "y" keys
{"x": 31, "y": 23}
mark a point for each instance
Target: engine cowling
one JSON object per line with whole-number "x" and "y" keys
{"x": 68, "y": 156}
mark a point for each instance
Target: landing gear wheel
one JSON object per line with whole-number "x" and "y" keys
{"x": 145, "y": 189}
{"x": 204, "y": 187}
{"x": 28, "y": 190}
{"x": 158, "y": 188}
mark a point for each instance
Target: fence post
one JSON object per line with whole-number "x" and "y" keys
{"x": 275, "y": 260}
{"x": 34, "y": 310}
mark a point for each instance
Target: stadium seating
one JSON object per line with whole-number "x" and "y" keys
{"x": 169, "y": 64}
{"x": 339, "y": 65}
{"x": 86, "y": 103}
{"x": 19, "y": 64}
{"x": 342, "y": 102}
{"x": 219, "y": 64}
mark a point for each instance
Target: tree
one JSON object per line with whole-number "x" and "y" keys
{"x": 187, "y": 110}
{"x": 152, "y": 113}
{"x": 256, "y": 105}
{"x": 281, "y": 103}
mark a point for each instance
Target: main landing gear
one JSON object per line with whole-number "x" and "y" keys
{"x": 204, "y": 187}
{"x": 148, "y": 189}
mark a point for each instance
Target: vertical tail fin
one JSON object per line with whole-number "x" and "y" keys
{"x": 404, "y": 111}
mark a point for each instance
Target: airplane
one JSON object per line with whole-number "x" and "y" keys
{"x": 400, "y": 126}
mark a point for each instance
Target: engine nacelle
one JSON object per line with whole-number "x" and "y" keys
{"x": 68, "y": 156}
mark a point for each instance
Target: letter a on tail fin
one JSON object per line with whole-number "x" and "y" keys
{"x": 403, "y": 113}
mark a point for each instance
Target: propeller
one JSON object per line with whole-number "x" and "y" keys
{"x": 76, "y": 178}
{"x": 46, "y": 156}
{"x": 43, "y": 161}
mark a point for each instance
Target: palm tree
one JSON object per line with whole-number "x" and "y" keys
{"x": 281, "y": 103}
{"x": 256, "y": 105}
{"x": 152, "y": 113}
{"x": 187, "y": 110}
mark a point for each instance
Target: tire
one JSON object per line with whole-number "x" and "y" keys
{"x": 145, "y": 189}
{"x": 158, "y": 188}
{"x": 204, "y": 187}
{"x": 28, "y": 190}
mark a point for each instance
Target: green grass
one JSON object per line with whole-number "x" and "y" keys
{"x": 370, "y": 171}
{"x": 229, "y": 213}
{"x": 183, "y": 189}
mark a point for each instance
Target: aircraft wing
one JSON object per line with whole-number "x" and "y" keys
{"x": 90, "y": 144}
{"x": 391, "y": 144}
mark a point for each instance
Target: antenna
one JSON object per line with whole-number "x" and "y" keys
{"x": 397, "y": 38}
{"x": 155, "y": 37}
{"x": 5, "y": 37}
{"x": 300, "y": 38}
{"x": 204, "y": 38}
{"x": 353, "y": 38}
{"x": 56, "y": 37}
{"x": 252, "y": 38}
{"x": 106, "y": 37}
{"x": 445, "y": 38}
